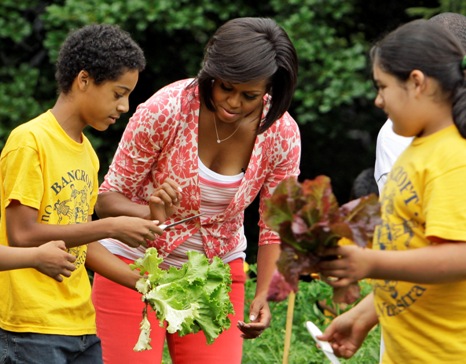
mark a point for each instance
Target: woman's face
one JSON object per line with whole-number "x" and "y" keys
{"x": 236, "y": 101}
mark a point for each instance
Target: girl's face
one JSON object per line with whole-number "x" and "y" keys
{"x": 236, "y": 101}
{"x": 416, "y": 106}
{"x": 394, "y": 98}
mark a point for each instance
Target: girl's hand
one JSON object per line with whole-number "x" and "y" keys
{"x": 347, "y": 331}
{"x": 53, "y": 260}
{"x": 164, "y": 200}
{"x": 259, "y": 317}
{"x": 345, "y": 265}
{"x": 345, "y": 334}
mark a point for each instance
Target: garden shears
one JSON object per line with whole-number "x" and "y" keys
{"x": 168, "y": 226}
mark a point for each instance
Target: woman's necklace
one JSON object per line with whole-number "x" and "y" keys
{"x": 216, "y": 131}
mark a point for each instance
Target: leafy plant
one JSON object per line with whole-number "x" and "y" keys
{"x": 308, "y": 219}
{"x": 189, "y": 299}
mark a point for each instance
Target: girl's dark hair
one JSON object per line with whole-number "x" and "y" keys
{"x": 250, "y": 49}
{"x": 105, "y": 51}
{"x": 432, "y": 49}
{"x": 454, "y": 22}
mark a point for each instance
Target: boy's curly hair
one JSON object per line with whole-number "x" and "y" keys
{"x": 105, "y": 51}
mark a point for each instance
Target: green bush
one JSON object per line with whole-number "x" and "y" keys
{"x": 269, "y": 347}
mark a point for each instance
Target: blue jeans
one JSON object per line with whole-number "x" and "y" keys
{"x": 27, "y": 348}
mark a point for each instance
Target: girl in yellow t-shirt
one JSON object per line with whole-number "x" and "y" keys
{"x": 417, "y": 261}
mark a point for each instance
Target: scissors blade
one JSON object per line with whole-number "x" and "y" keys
{"x": 168, "y": 226}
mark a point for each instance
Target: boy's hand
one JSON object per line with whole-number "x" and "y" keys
{"x": 135, "y": 231}
{"x": 53, "y": 260}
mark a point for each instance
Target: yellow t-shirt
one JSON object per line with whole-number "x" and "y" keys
{"x": 43, "y": 168}
{"x": 424, "y": 196}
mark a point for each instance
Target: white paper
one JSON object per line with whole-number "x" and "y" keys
{"x": 324, "y": 345}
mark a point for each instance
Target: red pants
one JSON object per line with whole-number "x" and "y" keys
{"x": 119, "y": 312}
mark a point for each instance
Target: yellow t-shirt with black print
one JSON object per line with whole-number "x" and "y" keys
{"x": 43, "y": 168}
{"x": 424, "y": 197}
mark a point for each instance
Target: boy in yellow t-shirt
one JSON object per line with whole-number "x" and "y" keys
{"x": 49, "y": 182}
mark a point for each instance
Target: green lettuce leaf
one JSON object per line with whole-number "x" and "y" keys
{"x": 191, "y": 298}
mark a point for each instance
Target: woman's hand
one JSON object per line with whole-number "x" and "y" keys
{"x": 259, "y": 317}
{"x": 259, "y": 311}
{"x": 164, "y": 200}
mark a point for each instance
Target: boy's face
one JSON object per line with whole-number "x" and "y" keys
{"x": 103, "y": 104}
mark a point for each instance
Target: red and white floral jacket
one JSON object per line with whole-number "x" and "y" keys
{"x": 160, "y": 141}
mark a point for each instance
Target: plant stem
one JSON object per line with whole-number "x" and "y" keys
{"x": 289, "y": 325}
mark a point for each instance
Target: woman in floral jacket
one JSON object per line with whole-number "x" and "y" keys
{"x": 206, "y": 145}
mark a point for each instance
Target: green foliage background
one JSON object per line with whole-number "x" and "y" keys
{"x": 333, "y": 103}
{"x": 269, "y": 348}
